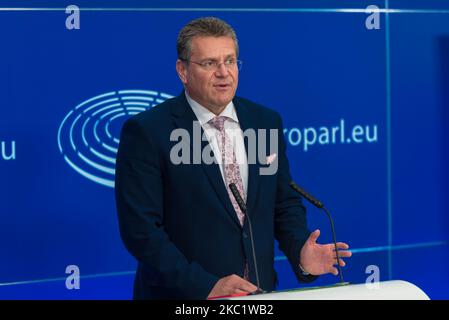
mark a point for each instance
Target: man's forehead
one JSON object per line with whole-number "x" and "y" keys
{"x": 211, "y": 46}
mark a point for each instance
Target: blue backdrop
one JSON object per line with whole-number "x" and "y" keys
{"x": 365, "y": 111}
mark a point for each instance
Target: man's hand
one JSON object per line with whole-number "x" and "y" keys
{"x": 319, "y": 259}
{"x": 231, "y": 285}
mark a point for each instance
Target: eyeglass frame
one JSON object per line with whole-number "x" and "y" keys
{"x": 217, "y": 64}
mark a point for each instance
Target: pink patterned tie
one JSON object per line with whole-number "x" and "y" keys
{"x": 230, "y": 165}
{"x": 231, "y": 172}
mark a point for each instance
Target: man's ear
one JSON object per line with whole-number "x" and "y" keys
{"x": 182, "y": 71}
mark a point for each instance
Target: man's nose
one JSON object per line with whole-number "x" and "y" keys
{"x": 222, "y": 70}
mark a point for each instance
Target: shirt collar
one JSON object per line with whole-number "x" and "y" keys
{"x": 204, "y": 115}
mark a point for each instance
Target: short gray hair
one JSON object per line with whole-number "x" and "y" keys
{"x": 203, "y": 27}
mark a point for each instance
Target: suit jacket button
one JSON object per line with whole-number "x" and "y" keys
{"x": 244, "y": 235}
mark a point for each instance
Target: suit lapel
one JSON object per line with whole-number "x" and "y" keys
{"x": 184, "y": 117}
{"x": 247, "y": 121}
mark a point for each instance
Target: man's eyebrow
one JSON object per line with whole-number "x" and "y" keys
{"x": 231, "y": 55}
{"x": 209, "y": 59}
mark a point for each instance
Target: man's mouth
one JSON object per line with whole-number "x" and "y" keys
{"x": 222, "y": 86}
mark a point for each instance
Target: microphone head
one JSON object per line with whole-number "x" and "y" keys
{"x": 237, "y": 197}
{"x": 308, "y": 197}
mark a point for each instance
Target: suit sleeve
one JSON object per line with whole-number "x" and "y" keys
{"x": 290, "y": 214}
{"x": 139, "y": 199}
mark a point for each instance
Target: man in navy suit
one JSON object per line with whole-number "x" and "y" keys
{"x": 179, "y": 218}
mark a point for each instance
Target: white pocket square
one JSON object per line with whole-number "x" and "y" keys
{"x": 271, "y": 158}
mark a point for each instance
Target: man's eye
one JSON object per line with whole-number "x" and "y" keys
{"x": 230, "y": 62}
{"x": 208, "y": 64}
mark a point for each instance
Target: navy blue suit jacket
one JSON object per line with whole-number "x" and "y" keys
{"x": 178, "y": 220}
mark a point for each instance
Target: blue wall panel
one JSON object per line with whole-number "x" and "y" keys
{"x": 315, "y": 62}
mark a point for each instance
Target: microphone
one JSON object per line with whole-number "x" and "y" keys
{"x": 242, "y": 206}
{"x": 320, "y": 205}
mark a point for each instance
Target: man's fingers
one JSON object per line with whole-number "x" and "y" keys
{"x": 314, "y": 235}
{"x": 334, "y": 271}
{"x": 239, "y": 291}
{"x": 345, "y": 254}
{"x": 231, "y": 285}
{"x": 247, "y": 286}
{"x": 342, "y": 245}
{"x": 342, "y": 263}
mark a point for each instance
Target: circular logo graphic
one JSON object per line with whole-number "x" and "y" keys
{"x": 88, "y": 137}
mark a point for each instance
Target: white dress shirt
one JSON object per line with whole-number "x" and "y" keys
{"x": 232, "y": 130}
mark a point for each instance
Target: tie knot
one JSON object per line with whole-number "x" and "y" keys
{"x": 218, "y": 122}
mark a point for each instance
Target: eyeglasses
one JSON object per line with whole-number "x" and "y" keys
{"x": 213, "y": 65}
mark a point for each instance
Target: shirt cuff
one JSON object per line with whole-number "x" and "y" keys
{"x": 303, "y": 271}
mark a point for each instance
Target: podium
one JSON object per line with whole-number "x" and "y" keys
{"x": 386, "y": 290}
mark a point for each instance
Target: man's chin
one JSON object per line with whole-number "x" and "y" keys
{"x": 223, "y": 100}
{"x": 222, "y": 103}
